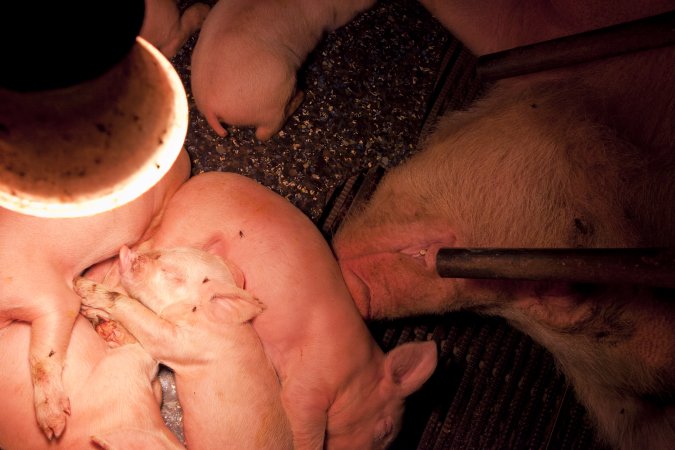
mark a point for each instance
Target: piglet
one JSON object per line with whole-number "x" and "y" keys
{"x": 115, "y": 404}
{"x": 53, "y": 251}
{"x": 339, "y": 389}
{"x": 166, "y": 28}
{"x": 245, "y": 61}
{"x": 196, "y": 320}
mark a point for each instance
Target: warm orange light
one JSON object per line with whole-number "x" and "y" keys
{"x": 93, "y": 147}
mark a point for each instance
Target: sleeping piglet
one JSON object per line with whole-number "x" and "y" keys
{"x": 338, "y": 388}
{"x": 188, "y": 313}
{"x": 115, "y": 404}
{"x": 245, "y": 61}
{"x": 53, "y": 251}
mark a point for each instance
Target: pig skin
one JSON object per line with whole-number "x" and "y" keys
{"x": 39, "y": 259}
{"x": 196, "y": 320}
{"x": 166, "y": 28}
{"x": 339, "y": 390}
{"x": 113, "y": 398}
{"x": 555, "y": 159}
{"x": 245, "y": 61}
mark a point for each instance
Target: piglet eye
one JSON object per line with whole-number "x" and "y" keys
{"x": 171, "y": 276}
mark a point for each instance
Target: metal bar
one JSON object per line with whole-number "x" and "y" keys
{"x": 648, "y": 266}
{"x": 651, "y": 32}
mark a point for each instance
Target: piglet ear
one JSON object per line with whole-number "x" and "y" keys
{"x": 233, "y": 305}
{"x": 217, "y": 247}
{"x": 236, "y": 272}
{"x": 410, "y": 365}
{"x": 133, "y": 439}
{"x": 126, "y": 258}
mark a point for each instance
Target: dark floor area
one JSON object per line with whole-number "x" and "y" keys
{"x": 371, "y": 92}
{"x": 366, "y": 87}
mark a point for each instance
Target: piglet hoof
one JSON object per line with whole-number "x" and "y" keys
{"x": 51, "y": 402}
{"x": 294, "y": 102}
{"x": 83, "y": 286}
{"x": 94, "y": 295}
{"x": 194, "y": 16}
{"x": 94, "y": 315}
{"x": 264, "y": 133}
{"x": 51, "y": 414}
{"x": 113, "y": 333}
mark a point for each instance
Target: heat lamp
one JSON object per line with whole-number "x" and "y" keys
{"x": 91, "y": 128}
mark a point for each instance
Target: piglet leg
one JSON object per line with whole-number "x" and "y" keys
{"x": 50, "y": 336}
{"x": 307, "y": 412}
{"x": 190, "y": 22}
{"x": 266, "y": 131}
{"x": 154, "y": 333}
{"x": 113, "y": 333}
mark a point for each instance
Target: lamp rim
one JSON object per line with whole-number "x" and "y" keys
{"x": 150, "y": 170}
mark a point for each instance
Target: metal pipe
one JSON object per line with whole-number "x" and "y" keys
{"x": 648, "y": 266}
{"x": 643, "y": 34}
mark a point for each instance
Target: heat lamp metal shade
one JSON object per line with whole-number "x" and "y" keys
{"x": 92, "y": 147}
